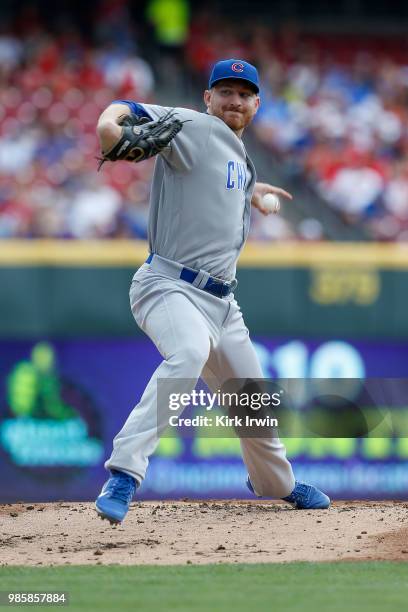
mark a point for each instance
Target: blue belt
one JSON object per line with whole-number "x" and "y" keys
{"x": 213, "y": 285}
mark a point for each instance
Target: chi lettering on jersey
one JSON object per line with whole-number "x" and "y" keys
{"x": 236, "y": 175}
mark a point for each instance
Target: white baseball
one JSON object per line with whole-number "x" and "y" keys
{"x": 270, "y": 201}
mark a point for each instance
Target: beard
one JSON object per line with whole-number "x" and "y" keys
{"x": 234, "y": 119}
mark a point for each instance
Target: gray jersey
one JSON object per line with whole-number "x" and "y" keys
{"x": 201, "y": 195}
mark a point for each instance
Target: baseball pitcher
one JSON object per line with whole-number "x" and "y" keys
{"x": 182, "y": 297}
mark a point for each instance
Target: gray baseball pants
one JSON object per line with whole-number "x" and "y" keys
{"x": 198, "y": 335}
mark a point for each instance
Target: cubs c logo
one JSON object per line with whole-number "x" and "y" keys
{"x": 237, "y": 67}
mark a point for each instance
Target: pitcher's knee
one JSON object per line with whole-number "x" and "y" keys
{"x": 192, "y": 354}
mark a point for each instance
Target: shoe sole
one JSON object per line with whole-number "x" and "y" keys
{"x": 296, "y": 507}
{"x": 106, "y": 517}
{"x": 312, "y": 508}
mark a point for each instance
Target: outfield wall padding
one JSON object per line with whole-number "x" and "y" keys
{"x": 66, "y": 289}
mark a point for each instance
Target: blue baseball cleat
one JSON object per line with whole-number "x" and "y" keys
{"x": 307, "y": 497}
{"x": 303, "y": 496}
{"x": 114, "y": 499}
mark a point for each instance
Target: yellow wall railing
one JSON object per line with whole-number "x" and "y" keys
{"x": 106, "y": 253}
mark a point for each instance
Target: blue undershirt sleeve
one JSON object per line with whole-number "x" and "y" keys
{"x": 135, "y": 107}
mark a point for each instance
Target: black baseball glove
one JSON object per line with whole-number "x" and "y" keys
{"x": 142, "y": 138}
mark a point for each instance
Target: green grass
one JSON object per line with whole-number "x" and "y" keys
{"x": 315, "y": 587}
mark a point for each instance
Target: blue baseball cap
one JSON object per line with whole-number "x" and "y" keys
{"x": 234, "y": 69}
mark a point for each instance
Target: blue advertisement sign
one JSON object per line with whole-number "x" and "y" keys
{"x": 62, "y": 402}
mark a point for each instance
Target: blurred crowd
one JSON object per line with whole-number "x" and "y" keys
{"x": 342, "y": 126}
{"x": 52, "y": 90}
{"x": 334, "y": 114}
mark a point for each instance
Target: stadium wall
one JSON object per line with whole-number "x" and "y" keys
{"x": 67, "y": 288}
{"x": 73, "y": 364}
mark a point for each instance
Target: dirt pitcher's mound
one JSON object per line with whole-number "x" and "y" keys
{"x": 203, "y": 532}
